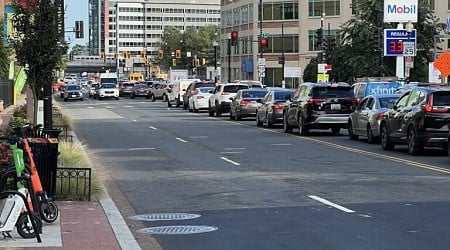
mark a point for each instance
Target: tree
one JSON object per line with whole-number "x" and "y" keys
{"x": 196, "y": 41}
{"x": 5, "y": 53}
{"x": 39, "y": 48}
{"x": 358, "y": 46}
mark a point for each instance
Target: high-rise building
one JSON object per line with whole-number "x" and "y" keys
{"x": 291, "y": 30}
{"x": 142, "y": 23}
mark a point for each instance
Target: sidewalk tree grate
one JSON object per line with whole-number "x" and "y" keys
{"x": 164, "y": 216}
{"x": 171, "y": 230}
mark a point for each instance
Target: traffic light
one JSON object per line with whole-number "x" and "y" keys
{"x": 143, "y": 53}
{"x": 115, "y": 55}
{"x": 124, "y": 54}
{"x": 197, "y": 62}
{"x": 332, "y": 44}
{"x": 174, "y": 62}
{"x": 325, "y": 44}
{"x": 319, "y": 37}
{"x": 79, "y": 29}
{"x": 234, "y": 38}
{"x": 263, "y": 43}
{"x": 160, "y": 54}
{"x": 178, "y": 53}
{"x": 102, "y": 55}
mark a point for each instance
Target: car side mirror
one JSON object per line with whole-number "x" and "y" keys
{"x": 183, "y": 89}
{"x": 231, "y": 98}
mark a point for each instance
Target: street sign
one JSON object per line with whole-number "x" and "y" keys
{"x": 261, "y": 61}
{"x": 292, "y": 72}
{"x": 442, "y": 63}
{"x": 265, "y": 35}
{"x": 395, "y": 41}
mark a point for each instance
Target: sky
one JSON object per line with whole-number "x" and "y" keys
{"x": 76, "y": 10}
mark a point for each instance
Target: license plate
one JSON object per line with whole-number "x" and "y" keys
{"x": 335, "y": 106}
{"x": 74, "y": 96}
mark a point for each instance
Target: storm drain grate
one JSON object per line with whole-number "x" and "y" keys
{"x": 165, "y": 216}
{"x": 170, "y": 230}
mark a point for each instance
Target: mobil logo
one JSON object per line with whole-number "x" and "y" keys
{"x": 401, "y": 9}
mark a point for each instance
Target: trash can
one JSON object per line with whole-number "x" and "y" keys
{"x": 45, "y": 156}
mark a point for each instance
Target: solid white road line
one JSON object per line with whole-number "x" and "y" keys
{"x": 329, "y": 203}
{"x": 134, "y": 120}
{"x": 280, "y": 144}
{"x": 181, "y": 140}
{"x": 138, "y": 149}
{"x": 231, "y": 149}
{"x": 152, "y": 127}
{"x": 230, "y": 161}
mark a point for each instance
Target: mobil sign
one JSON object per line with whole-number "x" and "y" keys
{"x": 400, "y": 11}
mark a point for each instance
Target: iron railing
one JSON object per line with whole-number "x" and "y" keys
{"x": 73, "y": 183}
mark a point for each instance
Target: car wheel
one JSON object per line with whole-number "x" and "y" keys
{"x": 238, "y": 116}
{"x": 218, "y": 113}
{"x": 286, "y": 127}
{"x": 117, "y": 98}
{"x": 190, "y": 108}
{"x": 370, "y": 138}
{"x": 386, "y": 143}
{"x": 231, "y": 115}
{"x": 210, "y": 111}
{"x": 132, "y": 96}
{"x": 164, "y": 98}
{"x": 448, "y": 149}
{"x": 302, "y": 128}
{"x": 65, "y": 99}
{"x": 258, "y": 122}
{"x": 269, "y": 124}
{"x": 194, "y": 108}
{"x": 414, "y": 146}
{"x": 177, "y": 103}
{"x": 335, "y": 130}
{"x": 169, "y": 104}
{"x": 153, "y": 98}
{"x": 81, "y": 99}
{"x": 350, "y": 132}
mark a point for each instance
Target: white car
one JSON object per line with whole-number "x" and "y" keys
{"x": 199, "y": 100}
{"x": 219, "y": 101}
{"x": 108, "y": 90}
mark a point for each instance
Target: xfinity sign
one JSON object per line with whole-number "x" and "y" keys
{"x": 400, "y": 11}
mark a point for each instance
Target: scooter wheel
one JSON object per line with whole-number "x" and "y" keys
{"x": 25, "y": 228}
{"x": 49, "y": 212}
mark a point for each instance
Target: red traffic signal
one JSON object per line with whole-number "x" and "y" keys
{"x": 264, "y": 42}
{"x": 234, "y": 38}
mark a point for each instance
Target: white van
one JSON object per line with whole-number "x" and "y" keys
{"x": 178, "y": 88}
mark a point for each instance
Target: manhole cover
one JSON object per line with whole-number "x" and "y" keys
{"x": 165, "y": 216}
{"x": 169, "y": 230}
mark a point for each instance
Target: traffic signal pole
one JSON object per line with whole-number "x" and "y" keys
{"x": 261, "y": 79}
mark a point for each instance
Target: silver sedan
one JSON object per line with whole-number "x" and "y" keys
{"x": 364, "y": 121}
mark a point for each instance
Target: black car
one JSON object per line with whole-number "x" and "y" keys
{"x": 419, "y": 118}
{"x": 319, "y": 106}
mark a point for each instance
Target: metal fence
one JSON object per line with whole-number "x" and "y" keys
{"x": 73, "y": 183}
{"x": 6, "y": 92}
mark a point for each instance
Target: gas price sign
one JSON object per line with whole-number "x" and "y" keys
{"x": 398, "y": 42}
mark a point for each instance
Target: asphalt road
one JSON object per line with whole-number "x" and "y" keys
{"x": 257, "y": 188}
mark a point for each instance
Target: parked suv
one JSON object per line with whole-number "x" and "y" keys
{"x": 419, "y": 118}
{"x": 319, "y": 106}
{"x": 190, "y": 90}
{"x": 219, "y": 101}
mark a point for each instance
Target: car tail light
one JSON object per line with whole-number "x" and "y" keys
{"x": 200, "y": 97}
{"x": 380, "y": 116}
{"x": 224, "y": 93}
{"x": 277, "y": 106}
{"x": 354, "y": 100}
{"x": 429, "y": 108}
{"x": 244, "y": 102}
{"x": 315, "y": 100}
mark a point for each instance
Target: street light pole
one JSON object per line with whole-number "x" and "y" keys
{"x": 215, "y": 44}
{"x": 261, "y": 79}
{"x": 117, "y": 40}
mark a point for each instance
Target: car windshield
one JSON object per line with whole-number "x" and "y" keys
{"x": 205, "y": 84}
{"x": 205, "y": 89}
{"x": 234, "y": 88}
{"x": 332, "y": 92}
{"x": 441, "y": 98}
{"x": 385, "y": 101}
{"x": 73, "y": 87}
{"x": 281, "y": 95}
{"x": 108, "y": 86}
{"x": 254, "y": 94}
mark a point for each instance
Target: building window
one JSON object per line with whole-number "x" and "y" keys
{"x": 280, "y": 11}
{"x": 329, "y": 7}
{"x": 244, "y": 12}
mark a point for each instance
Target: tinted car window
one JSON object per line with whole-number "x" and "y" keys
{"x": 205, "y": 84}
{"x": 385, "y": 101}
{"x": 141, "y": 86}
{"x": 253, "y": 94}
{"x": 205, "y": 89}
{"x": 108, "y": 86}
{"x": 73, "y": 87}
{"x": 330, "y": 92}
{"x": 233, "y": 88}
{"x": 441, "y": 98}
{"x": 282, "y": 95}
